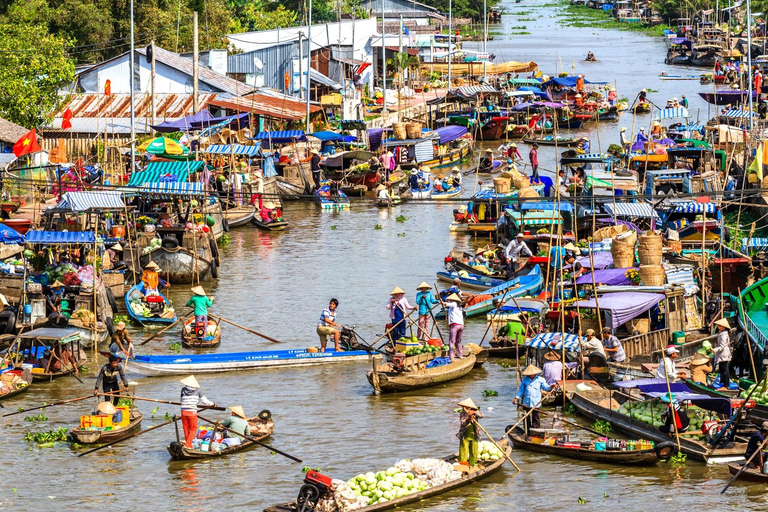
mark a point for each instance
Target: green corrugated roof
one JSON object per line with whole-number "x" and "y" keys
{"x": 155, "y": 171}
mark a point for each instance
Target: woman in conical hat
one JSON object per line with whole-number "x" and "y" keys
{"x": 237, "y": 422}
{"x": 468, "y": 438}
{"x": 397, "y": 306}
{"x": 529, "y": 394}
{"x": 723, "y": 353}
{"x": 425, "y": 301}
{"x": 200, "y": 302}
{"x": 191, "y": 396}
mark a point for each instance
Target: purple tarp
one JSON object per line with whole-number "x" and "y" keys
{"x": 450, "y": 133}
{"x": 608, "y": 276}
{"x": 200, "y": 121}
{"x": 624, "y": 306}
{"x": 374, "y": 138}
{"x": 602, "y": 259}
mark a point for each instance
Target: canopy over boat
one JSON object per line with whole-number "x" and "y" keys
{"x": 328, "y": 136}
{"x": 10, "y": 235}
{"x": 337, "y": 159}
{"x": 165, "y": 171}
{"x": 450, "y": 133}
{"x": 234, "y": 149}
{"x": 282, "y": 136}
{"x": 671, "y": 113}
{"x": 609, "y": 276}
{"x": 555, "y": 341}
{"x": 546, "y": 206}
{"x": 60, "y": 237}
{"x": 80, "y": 202}
{"x": 634, "y": 210}
{"x": 534, "y": 218}
{"x": 656, "y": 388}
{"x": 567, "y": 81}
{"x": 200, "y": 121}
{"x": 623, "y": 306}
{"x": 600, "y": 260}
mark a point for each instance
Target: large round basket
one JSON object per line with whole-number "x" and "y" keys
{"x": 649, "y": 249}
{"x": 527, "y": 192}
{"x": 413, "y": 130}
{"x": 399, "y": 131}
{"x": 652, "y": 275}
{"x": 641, "y": 325}
{"x": 609, "y": 232}
{"x": 623, "y": 254}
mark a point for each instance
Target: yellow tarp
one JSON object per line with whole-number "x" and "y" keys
{"x": 473, "y": 68}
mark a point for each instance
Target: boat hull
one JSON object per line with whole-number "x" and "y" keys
{"x": 179, "y": 452}
{"x": 473, "y": 282}
{"x": 145, "y": 319}
{"x": 751, "y": 475}
{"x": 275, "y": 225}
{"x": 390, "y": 382}
{"x": 84, "y": 436}
{"x": 177, "y": 266}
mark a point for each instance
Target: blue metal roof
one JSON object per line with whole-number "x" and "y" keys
{"x": 165, "y": 171}
{"x": 282, "y": 136}
{"x": 235, "y": 149}
{"x": 60, "y": 237}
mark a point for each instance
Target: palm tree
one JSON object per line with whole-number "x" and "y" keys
{"x": 399, "y": 63}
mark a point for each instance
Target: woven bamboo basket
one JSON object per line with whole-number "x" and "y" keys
{"x": 527, "y": 192}
{"x": 623, "y": 253}
{"x": 608, "y": 232}
{"x": 649, "y": 249}
{"x": 399, "y": 130}
{"x": 590, "y": 323}
{"x": 675, "y": 246}
{"x": 641, "y": 325}
{"x": 413, "y": 130}
{"x": 652, "y": 275}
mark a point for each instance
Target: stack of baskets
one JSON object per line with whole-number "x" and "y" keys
{"x": 623, "y": 250}
{"x": 413, "y": 130}
{"x": 652, "y": 275}
{"x": 649, "y": 249}
{"x": 399, "y": 131}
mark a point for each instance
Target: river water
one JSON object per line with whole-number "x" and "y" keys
{"x": 328, "y": 415}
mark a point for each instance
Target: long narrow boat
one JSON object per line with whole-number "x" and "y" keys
{"x": 191, "y": 339}
{"x": 554, "y": 141}
{"x": 448, "y": 194}
{"x": 633, "y": 457}
{"x": 757, "y": 415}
{"x": 260, "y": 429}
{"x": 86, "y": 436}
{"x": 26, "y": 375}
{"x": 520, "y": 286}
{"x": 486, "y": 469}
{"x": 275, "y": 225}
{"x": 471, "y": 281}
{"x": 599, "y": 405}
{"x": 751, "y": 475}
{"x": 416, "y": 376}
{"x": 226, "y": 362}
{"x": 236, "y": 217}
{"x": 163, "y": 318}
{"x": 508, "y": 351}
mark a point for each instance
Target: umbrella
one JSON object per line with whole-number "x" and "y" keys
{"x": 10, "y": 235}
{"x": 163, "y": 146}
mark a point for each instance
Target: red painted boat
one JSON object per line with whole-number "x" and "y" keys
{"x": 20, "y": 225}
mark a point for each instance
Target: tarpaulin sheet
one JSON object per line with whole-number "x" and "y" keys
{"x": 608, "y": 276}
{"x": 600, "y": 260}
{"x": 78, "y": 202}
{"x": 10, "y": 236}
{"x": 624, "y": 306}
{"x": 554, "y": 341}
{"x": 60, "y": 237}
{"x": 450, "y": 133}
{"x": 567, "y": 81}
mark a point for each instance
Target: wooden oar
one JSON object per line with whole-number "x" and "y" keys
{"x": 174, "y": 420}
{"x": 161, "y": 331}
{"x": 601, "y": 434}
{"x": 530, "y": 411}
{"x": 218, "y": 425}
{"x": 273, "y": 340}
{"x": 494, "y": 444}
{"x": 131, "y": 397}
{"x": 406, "y": 317}
{"x": 744, "y": 466}
{"x": 62, "y": 402}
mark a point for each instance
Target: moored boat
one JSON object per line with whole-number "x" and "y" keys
{"x": 260, "y": 429}
{"x": 179, "y": 264}
{"x": 193, "y": 336}
{"x": 750, "y": 474}
{"x": 384, "y": 378}
{"x": 148, "y": 309}
{"x": 14, "y": 383}
{"x": 554, "y": 141}
{"x": 471, "y": 281}
{"x": 520, "y": 286}
{"x": 275, "y": 225}
{"x": 95, "y": 436}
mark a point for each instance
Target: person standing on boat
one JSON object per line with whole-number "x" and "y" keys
{"x": 108, "y": 379}
{"x": 666, "y": 369}
{"x": 200, "y": 302}
{"x": 642, "y": 97}
{"x": 151, "y": 281}
{"x": 613, "y": 347}
{"x": 121, "y": 341}
{"x": 612, "y": 96}
{"x": 328, "y": 326}
{"x": 755, "y": 442}
{"x": 456, "y": 177}
{"x": 455, "y": 289}
{"x": 723, "y": 353}
{"x": 625, "y": 143}
{"x": 397, "y": 307}
{"x": 413, "y": 180}
{"x": 314, "y": 165}
{"x": 424, "y": 300}
{"x": 533, "y": 157}
{"x": 512, "y": 252}
{"x": 469, "y": 448}
{"x": 513, "y": 153}
{"x": 191, "y": 396}
{"x": 455, "y": 317}
{"x": 529, "y": 394}
{"x": 580, "y": 84}
{"x": 237, "y": 422}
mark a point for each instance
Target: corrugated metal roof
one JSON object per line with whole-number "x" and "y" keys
{"x": 11, "y": 132}
{"x": 60, "y": 237}
{"x": 265, "y": 105}
{"x": 157, "y": 172}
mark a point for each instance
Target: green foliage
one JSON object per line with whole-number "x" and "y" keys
{"x": 176, "y": 347}
{"x": 48, "y": 437}
{"x": 154, "y": 411}
{"x": 678, "y": 459}
{"x": 37, "y": 417}
{"x": 377, "y": 226}
{"x": 601, "y": 426}
{"x": 490, "y": 392}
{"x": 225, "y": 240}
{"x": 401, "y": 219}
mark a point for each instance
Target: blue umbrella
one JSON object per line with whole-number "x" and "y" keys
{"x": 10, "y": 236}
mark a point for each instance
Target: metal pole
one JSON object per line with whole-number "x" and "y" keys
{"x": 133, "y": 113}
{"x": 309, "y": 59}
{"x": 195, "y": 64}
{"x": 301, "y": 57}
{"x": 450, "y": 37}
{"x": 152, "y": 83}
{"x": 383, "y": 61}
{"x": 485, "y": 38}
{"x": 749, "y": 62}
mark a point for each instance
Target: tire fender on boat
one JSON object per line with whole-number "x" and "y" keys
{"x": 214, "y": 269}
{"x": 111, "y": 299}
{"x": 225, "y": 225}
{"x": 10, "y": 325}
{"x": 109, "y": 325}
{"x": 666, "y": 450}
{"x": 214, "y": 251}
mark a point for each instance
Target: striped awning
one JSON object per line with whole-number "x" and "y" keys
{"x": 637, "y": 210}
{"x": 282, "y": 136}
{"x": 471, "y": 91}
{"x": 78, "y": 202}
{"x": 555, "y": 341}
{"x": 424, "y": 151}
{"x": 165, "y": 171}
{"x": 759, "y": 244}
{"x": 173, "y": 189}
{"x": 692, "y": 207}
{"x": 737, "y": 114}
{"x": 60, "y": 237}
{"x": 234, "y": 149}
{"x": 671, "y": 113}
{"x": 534, "y": 218}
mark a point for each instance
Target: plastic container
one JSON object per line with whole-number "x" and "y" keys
{"x": 678, "y": 337}
{"x": 205, "y": 446}
{"x": 599, "y": 446}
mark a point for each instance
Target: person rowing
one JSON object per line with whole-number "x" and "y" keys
{"x": 191, "y": 396}
{"x": 237, "y": 422}
{"x": 108, "y": 379}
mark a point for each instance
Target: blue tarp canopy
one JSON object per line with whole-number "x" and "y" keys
{"x": 450, "y": 133}
{"x": 656, "y": 388}
{"x": 697, "y": 208}
{"x": 554, "y": 341}
{"x": 60, "y": 237}
{"x": 671, "y": 113}
{"x": 546, "y": 206}
{"x": 282, "y": 136}
{"x": 165, "y": 171}
{"x": 173, "y": 189}
{"x": 636, "y": 210}
{"x": 78, "y": 202}
{"x": 328, "y": 136}
{"x": 234, "y": 149}
{"x": 623, "y": 306}
{"x": 567, "y": 81}
{"x": 10, "y": 236}
{"x": 535, "y": 90}
{"x": 200, "y": 121}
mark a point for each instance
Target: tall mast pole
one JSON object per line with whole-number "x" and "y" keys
{"x": 133, "y": 114}
{"x": 309, "y": 59}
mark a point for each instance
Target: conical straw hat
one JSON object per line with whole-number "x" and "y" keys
{"x": 723, "y": 323}
{"x": 238, "y": 410}
{"x": 397, "y": 291}
{"x": 106, "y": 408}
{"x": 531, "y": 370}
{"x": 423, "y": 285}
{"x": 152, "y": 266}
{"x": 198, "y": 290}
{"x": 468, "y": 403}
{"x": 453, "y": 296}
{"x": 190, "y": 381}
{"x": 117, "y": 247}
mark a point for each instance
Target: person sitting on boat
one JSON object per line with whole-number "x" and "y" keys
{"x": 612, "y": 346}
{"x": 515, "y": 330}
{"x": 576, "y": 268}
{"x": 513, "y": 251}
{"x": 756, "y": 443}
{"x": 328, "y": 326}
{"x": 584, "y": 146}
{"x": 455, "y": 288}
{"x": 656, "y": 130}
{"x": 488, "y": 104}
{"x": 578, "y": 101}
{"x": 469, "y": 448}
{"x": 641, "y": 136}
{"x": 237, "y": 422}
{"x": 590, "y": 345}
{"x": 269, "y": 212}
{"x": 190, "y": 398}
{"x": 121, "y": 342}
{"x": 675, "y": 418}
{"x": 486, "y": 162}
{"x": 513, "y": 153}
{"x": 200, "y": 302}
{"x": 425, "y": 300}
{"x": 455, "y": 316}
{"x": 397, "y": 306}
{"x": 151, "y": 282}
{"x": 684, "y": 101}
{"x": 413, "y": 180}
{"x": 456, "y": 177}
{"x": 109, "y": 378}
{"x": 438, "y": 183}
{"x": 553, "y": 368}
{"x": 529, "y": 395}
{"x": 381, "y": 193}
{"x": 723, "y": 353}
{"x": 666, "y": 369}
{"x": 591, "y": 57}
{"x": 55, "y": 296}
{"x": 701, "y": 367}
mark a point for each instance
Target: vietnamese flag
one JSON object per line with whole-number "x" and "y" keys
{"x": 66, "y": 121}
{"x": 27, "y": 144}
{"x": 108, "y": 88}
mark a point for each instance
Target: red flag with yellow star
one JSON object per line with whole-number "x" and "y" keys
{"x": 27, "y": 144}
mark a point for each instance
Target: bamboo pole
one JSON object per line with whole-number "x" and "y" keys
{"x": 506, "y": 456}
{"x": 671, "y": 405}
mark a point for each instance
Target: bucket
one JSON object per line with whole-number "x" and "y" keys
{"x": 652, "y": 275}
{"x": 501, "y": 185}
{"x": 649, "y": 249}
{"x": 403, "y": 346}
{"x": 678, "y": 338}
{"x": 27, "y": 309}
{"x": 399, "y": 131}
{"x": 413, "y": 130}
{"x": 118, "y": 231}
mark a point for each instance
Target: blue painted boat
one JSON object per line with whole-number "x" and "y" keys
{"x": 471, "y": 281}
{"x": 154, "y": 366}
{"x": 329, "y": 202}
{"x": 158, "y": 318}
{"x": 520, "y": 286}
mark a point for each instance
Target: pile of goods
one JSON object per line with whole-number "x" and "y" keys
{"x": 155, "y": 243}
{"x": 760, "y": 396}
{"x": 85, "y": 316}
{"x": 422, "y": 349}
{"x": 650, "y": 412}
{"x": 404, "y": 478}
{"x": 140, "y": 308}
{"x": 210, "y": 330}
{"x": 489, "y": 451}
{"x": 10, "y": 382}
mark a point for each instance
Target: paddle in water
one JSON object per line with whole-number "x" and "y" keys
{"x": 218, "y": 425}
{"x": 62, "y": 402}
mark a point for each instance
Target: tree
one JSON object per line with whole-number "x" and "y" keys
{"x": 398, "y": 64}
{"x": 256, "y": 16}
{"x": 33, "y": 68}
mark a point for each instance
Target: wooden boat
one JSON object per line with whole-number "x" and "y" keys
{"x": 33, "y": 344}
{"x": 486, "y": 469}
{"x": 236, "y": 217}
{"x": 664, "y": 76}
{"x": 416, "y": 375}
{"x": 520, "y": 286}
{"x": 260, "y": 429}
{"x": 448, "y": 194}
{"x": 602, "y": 404}
{"x": 633, "y": 457}
{"x": 572, "y": 123}
{"x": 506, "y": 351}
{"x": 331, "y": 202}
{"x": 151, "y": 365}
{"x": 552, "y": 141}
{"x": 452, "y": 156}
{"x": 727, "y": 97}
{"x": 386, "y": 203}
{"x": 472, "y": 281}
{"x": 757, "y": 415}
{"x": 26, "y": 375}
{"x": 751, "y": 474}
{"x": 179, "y": 265}
{"x": 86, "y": 436}
{"x": 190, "y": 339}
{"x": 481, "y": 356}
{"x": 275, "y": 225}
{"x": 164, "y": 316}
{"x": 642, "y": 107}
